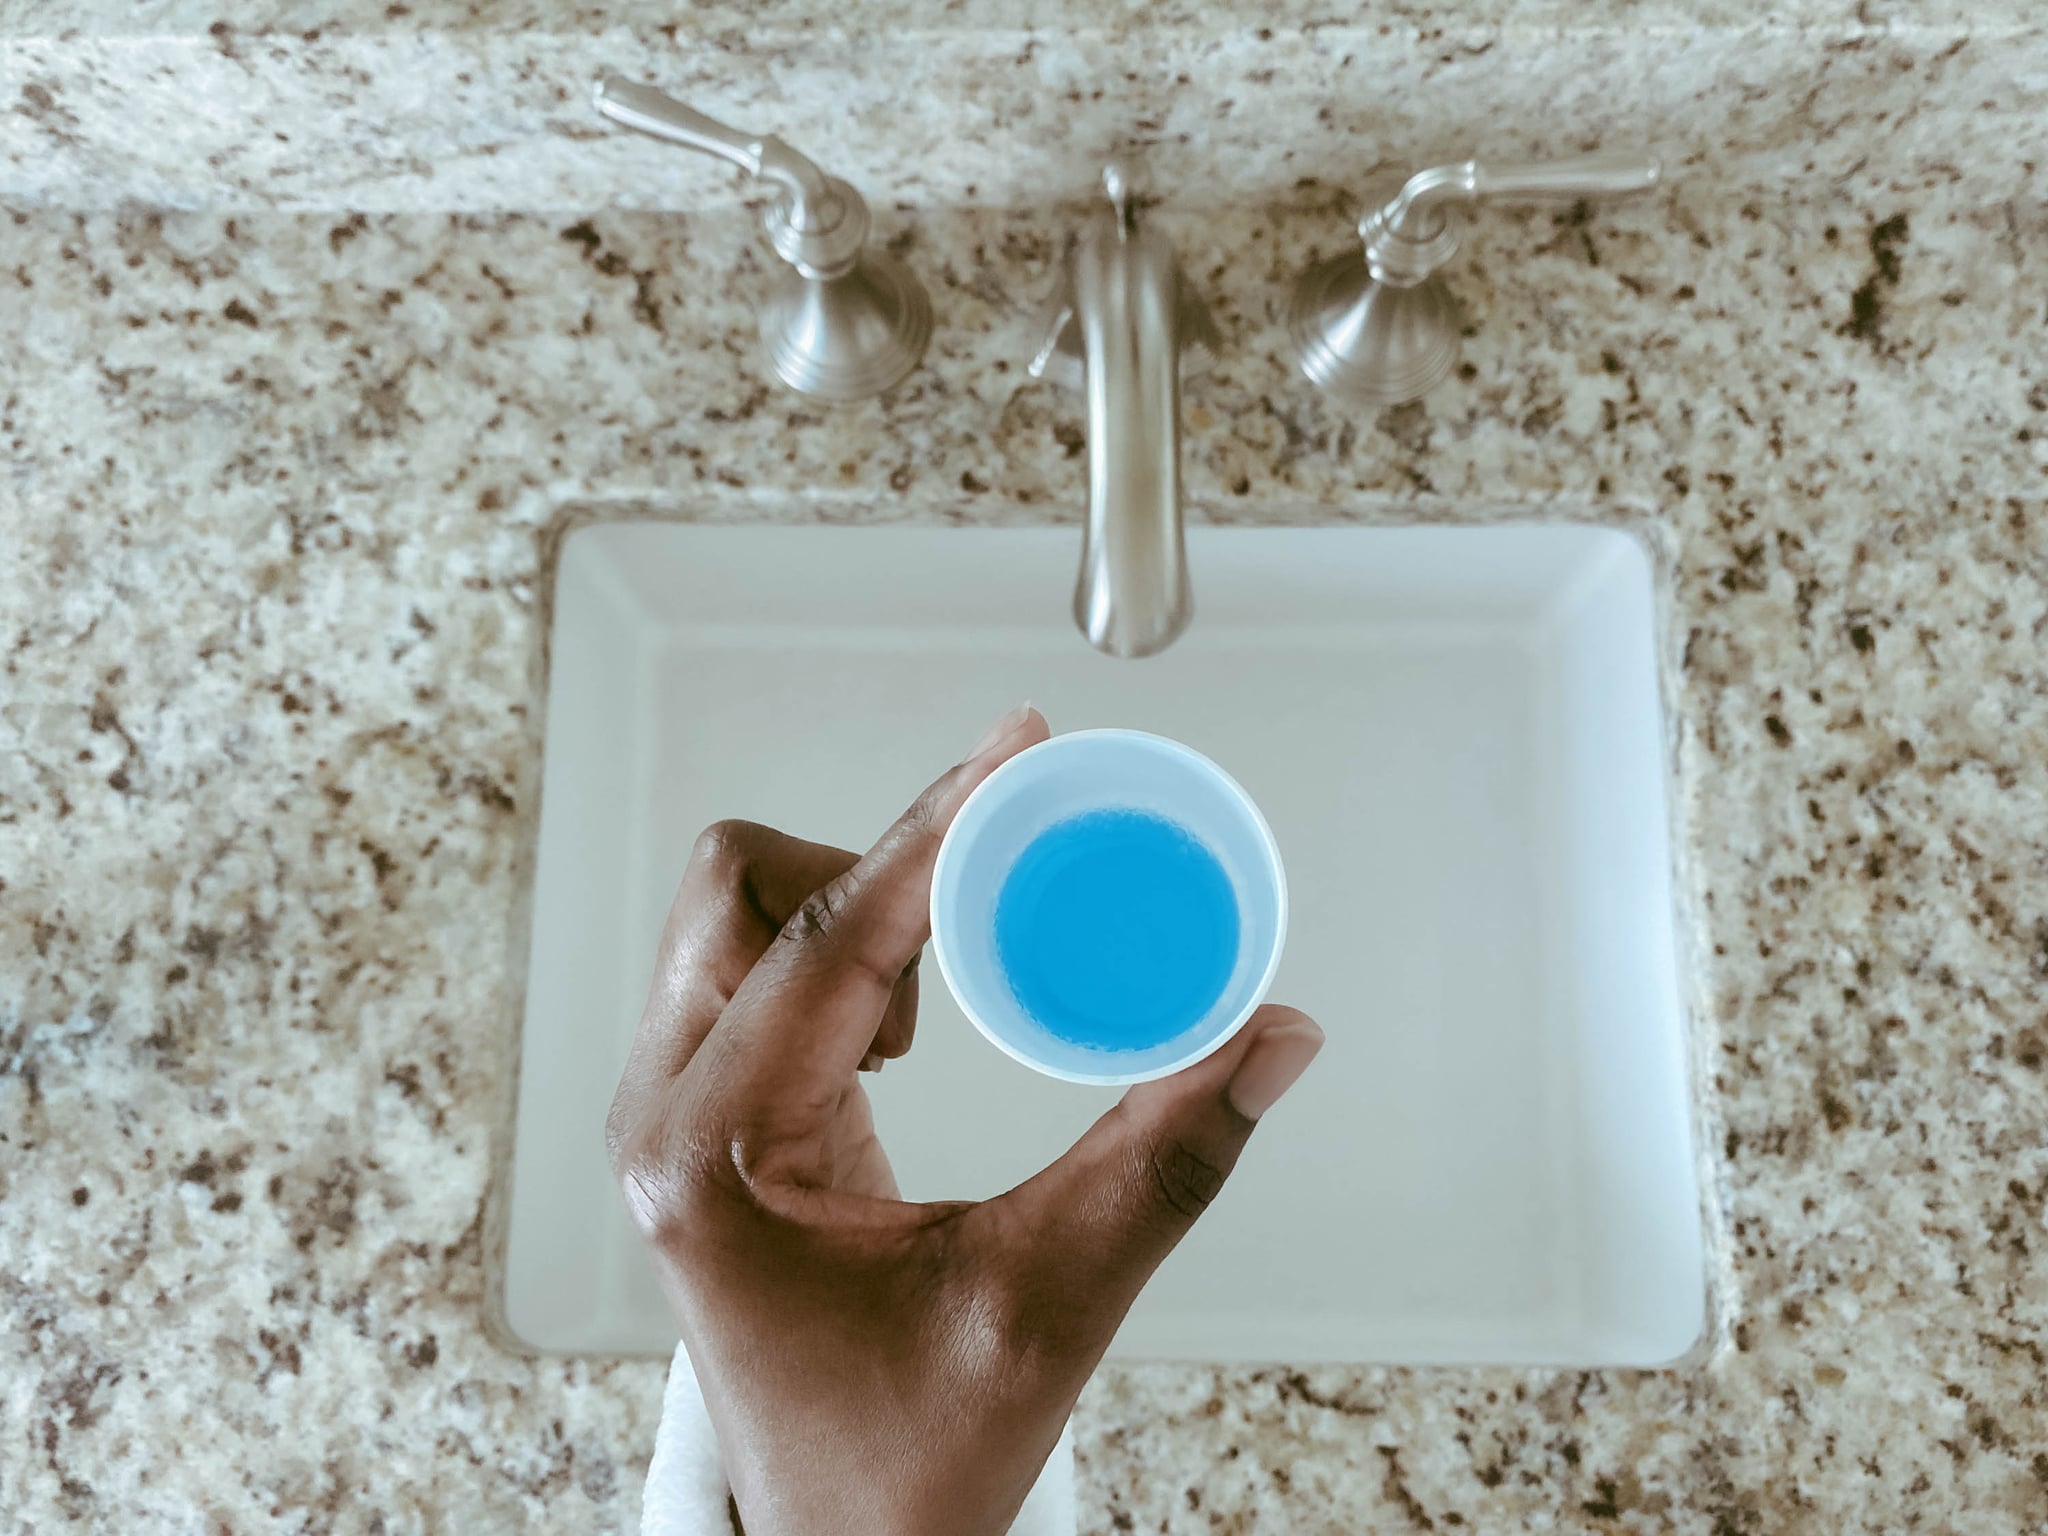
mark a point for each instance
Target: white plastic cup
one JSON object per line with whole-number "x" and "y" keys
{"x": 1068, "y": 776}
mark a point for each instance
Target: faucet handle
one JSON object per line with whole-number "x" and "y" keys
{"x": 819, "y": 223}
{"x": 1375, "y": 325}
{"x": 1407, "y": 238}
{"x": 844, "y": 322}
{"x": 1607, "y": 173}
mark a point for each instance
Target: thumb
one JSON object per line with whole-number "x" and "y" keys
{"x": 1100, "y": 1220}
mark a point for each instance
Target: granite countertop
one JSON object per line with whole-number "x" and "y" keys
{"x": 280, "y": 484}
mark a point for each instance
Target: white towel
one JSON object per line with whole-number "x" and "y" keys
{"x": 686, "y": 1492}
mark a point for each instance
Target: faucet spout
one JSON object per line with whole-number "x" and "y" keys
{"x": 1125, "y": 310}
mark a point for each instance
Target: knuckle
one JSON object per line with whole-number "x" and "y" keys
{"x": 725, "y": 847}
{"x": 926, "y": 813}
{"x": 1002, "y": 1329}
{"x": 618, "y": 1134}
{"x": 1183, "y": 1181}
{"x": 1029, "y": 1322}
{"x": 820, "y": 914}
{"x": 648, "y": 1197}
{"x": 1039, "y": 1317}
{"x": 669, "y": 1181}
{"x": 1000, "y": 1318}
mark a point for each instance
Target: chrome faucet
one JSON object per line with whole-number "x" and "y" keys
{"x": 1119, "y": 325}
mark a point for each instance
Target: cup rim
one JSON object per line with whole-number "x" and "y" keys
{"x": 1268, "y": 844}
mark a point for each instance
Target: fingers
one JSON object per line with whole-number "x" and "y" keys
{"x": 815, "y": 1003}
{"x": 739, "y": 888}
{"x": 742, "y": 883}
{"x": 1096, "y": 1224}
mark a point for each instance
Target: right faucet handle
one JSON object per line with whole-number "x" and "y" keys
{"x": 1410, "y": 236}
{"x": 1374, "y": 325}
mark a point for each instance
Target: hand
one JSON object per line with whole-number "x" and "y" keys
{"x": 872, "y": 1365}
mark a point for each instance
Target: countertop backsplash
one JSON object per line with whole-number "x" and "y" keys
{"x": 1222, "y": 105}
{"x": 283, "y": 477}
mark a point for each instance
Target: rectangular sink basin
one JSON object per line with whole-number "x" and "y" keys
{"x": 1457, "y": 738}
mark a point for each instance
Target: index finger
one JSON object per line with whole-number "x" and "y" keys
{"x": 742, "y": 883}
{"x": 799, "y": 1024}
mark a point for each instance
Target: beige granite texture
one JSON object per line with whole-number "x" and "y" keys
{"x": 746, "y": 19}
{"x": 278, "y": 497}
{"x": 336, "y": 109}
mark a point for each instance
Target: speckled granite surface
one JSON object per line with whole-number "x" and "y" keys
{"x": 336, "y": 106}
{"x": 753, "y": 18}
{"x": 277, "y": 493}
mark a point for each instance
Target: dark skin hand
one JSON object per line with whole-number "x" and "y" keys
{"x": 873, "y": 1364}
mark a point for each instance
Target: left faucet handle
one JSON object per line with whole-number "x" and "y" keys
{"x": 846, "y": 322}
{"x": 819, "y": 223}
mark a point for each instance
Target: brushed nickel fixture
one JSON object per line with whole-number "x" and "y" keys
{"x": 840, "y": 322}
{"x": 1120, "y": 324}
{"x": 1375, "y": 325}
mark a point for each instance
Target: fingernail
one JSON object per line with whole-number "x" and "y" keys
{"x": 1000, "y": 732}
{"x": 1273, "y": 1065}
{"x": 871, "y": 1062}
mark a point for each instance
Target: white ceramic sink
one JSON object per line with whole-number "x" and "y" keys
{"x": 1456, "y": 736}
